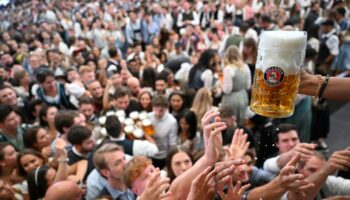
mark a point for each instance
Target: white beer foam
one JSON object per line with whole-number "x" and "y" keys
{"x": 284, "y": 49}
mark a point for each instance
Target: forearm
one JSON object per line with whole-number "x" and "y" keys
{"x": 336, "y": 89}
{"x": 271, "y": 191}
{"x": 62, "y": 170}
{"x": 283, "y": 159}
{"x": 181, "y": 186}
{"x": 105, "y": 100}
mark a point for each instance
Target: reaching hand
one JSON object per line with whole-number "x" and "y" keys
{"x": 291, "y": 181}
{"x": 212, "y": 135}
{"x": 156, "y": 187}
{"x": 238, "y": 147}
{"x": 223, "y": 170}
{"x": 235, "y": 193}
{"x": 203, "y": 187}
{"x": 340, "y": 160}
{"x": 305, "y": 150}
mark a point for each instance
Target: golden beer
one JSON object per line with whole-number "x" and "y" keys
{"x": 277, "y": 72}
{"x": 147, "y": 127}
{"x": 275, "y": 101}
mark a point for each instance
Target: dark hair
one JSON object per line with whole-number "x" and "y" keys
{"x": 148, "y": 77}
{"x": 37, "y": 183}
{"x": 77, "y": 134}
{"x": 341, "y": 11}
{"x": 149, "y": 107}
{"x": 121, "y": 91}
{"x": 43, "y": 73}
{"x": 43, "y": 113}
{"x": 85, "y": 100}
{"x": 266, "y": 18}
{"x": 169, "y": 158}
{"x": 5, "y": 110}
{"x": 180, "y": 94}
{"x": 244, "y": 27}
{"x": 112, "y": 52}
{"x": 191, "y": 119}
{"x": 113, "y": 126}
{"x": 283, "y": 128}
{"x": 203, "y": 63}
{"x": 30, "y": 137}
{"x": 31, "y": 107}
{"x": 64, "y": 119}
{"x": 3, "y": 145}
{"x": 160, "y": 101}
{"x": 28, "y": 151}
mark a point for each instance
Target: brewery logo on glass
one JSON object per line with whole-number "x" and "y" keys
{"x": 273, "y": 76}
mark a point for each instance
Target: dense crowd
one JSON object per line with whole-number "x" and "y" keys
{"x": 149, "y": 99}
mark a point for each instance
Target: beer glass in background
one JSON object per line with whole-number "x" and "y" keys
{"x": 276, "y": 80}
{"x": 147, "y": 127}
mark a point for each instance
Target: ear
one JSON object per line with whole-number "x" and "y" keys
{"x": 104, "y": 172}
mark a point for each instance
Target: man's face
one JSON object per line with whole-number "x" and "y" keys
{"x": 312, "y": 165}
{"x": 241, "y": 173}
{"x": 95, "y": 89}
{"x": 122, "y": 102}
{"x": 87, "y": 110}
{"x": 159, "y": 112}
{"x": 12, "y": 121}
{"x": 115, "y": 162}
{"x": 160, "y": 86}
{"x": 6, "y": 59}
{"x": 116, "y": 80}
{"x": 135, "y": 87}
{"x": 140, "y": 183}
{"x": 4, "y": 74}
{"x": 287, "y": 141}
{"x": 50, "y": 83}
{"x": 88, "y": 145}
{"x": 88, "y": 76}
{"x": 8, "y": 96}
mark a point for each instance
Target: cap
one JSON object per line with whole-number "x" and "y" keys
{"x": 328, "y": 22}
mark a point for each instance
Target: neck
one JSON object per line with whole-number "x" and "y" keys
{"x": 117, "y": 184}
{"x": 11, "y": 132}
{"x": 6, "y": 171}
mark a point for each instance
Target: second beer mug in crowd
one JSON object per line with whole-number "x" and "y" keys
{"x": 147, "y": 127}
{"x": 276, "y": 80}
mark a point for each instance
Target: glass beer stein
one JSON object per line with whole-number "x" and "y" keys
{"x": 276, "y": 80}
{"x": 147, "y": 127}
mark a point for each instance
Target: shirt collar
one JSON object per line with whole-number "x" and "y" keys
{"x": 116, "y": 193}
{"x": 328, "y": 34}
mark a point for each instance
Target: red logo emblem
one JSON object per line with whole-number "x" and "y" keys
{"x": 273, "y": 76}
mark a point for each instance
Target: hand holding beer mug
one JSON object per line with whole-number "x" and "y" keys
{"x": 276, "y": 80}
{"x": 148, "y": 127}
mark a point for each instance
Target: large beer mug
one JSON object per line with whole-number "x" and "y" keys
{"x": 147, "y": 127}
{"x": 277, "y": 72}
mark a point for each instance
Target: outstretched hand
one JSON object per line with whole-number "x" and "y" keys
{"x": 203, "y": 186}
{"x": 238, "y": 147}
{"x": 156, "y": 187}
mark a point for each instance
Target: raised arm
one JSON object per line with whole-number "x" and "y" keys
{"x": 180, "y": 188}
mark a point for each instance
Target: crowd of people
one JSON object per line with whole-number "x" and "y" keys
{"x": 149, "y": 100}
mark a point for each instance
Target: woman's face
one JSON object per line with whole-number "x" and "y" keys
{"x": 184, "y": 124}
{"x": 180, "y": 163}
{"x": 145, "y": 100}
{"x": 29, "y": 162}
{"x": 42, "y": 139}
{"x": 176, "y": 102}
{"x": 10, "y": 156}
{"x": 50, "y": 115}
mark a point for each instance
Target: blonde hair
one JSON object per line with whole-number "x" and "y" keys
{"x": 233, "y": 57}
{"x": 202, "y": 103}
{"x": 85, "y": 69}
{"x": 99, "y": 157}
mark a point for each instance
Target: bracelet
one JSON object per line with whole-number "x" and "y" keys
{"x": 320, "y": 83}
{"x": 323, "y": 87}
{"x": 63, "y": 160}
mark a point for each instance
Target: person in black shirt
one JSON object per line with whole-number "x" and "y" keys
{"x": 83, "y": 145}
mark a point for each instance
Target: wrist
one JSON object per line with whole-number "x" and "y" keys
{"x": 310, "y": 85}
